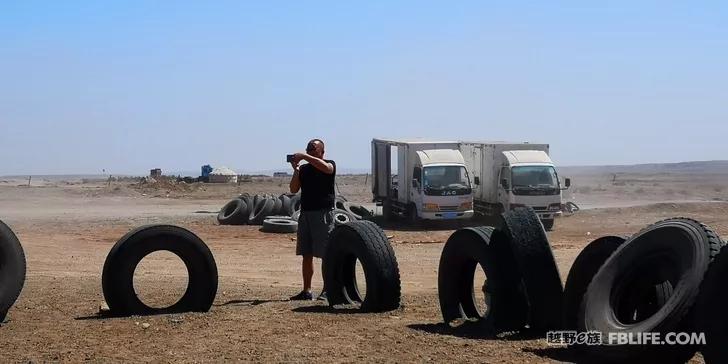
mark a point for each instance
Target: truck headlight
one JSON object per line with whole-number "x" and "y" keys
{"x": 430, "y": 207}
{"x": 466, "y": 205}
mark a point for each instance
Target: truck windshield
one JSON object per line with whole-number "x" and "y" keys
{"x": 534, "y": 177}
{"x": 446, "y": 180}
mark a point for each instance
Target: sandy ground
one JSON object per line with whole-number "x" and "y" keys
{"x": 68, "y": 228}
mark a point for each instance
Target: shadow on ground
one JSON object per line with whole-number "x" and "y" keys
{"x": 474, "y": 331}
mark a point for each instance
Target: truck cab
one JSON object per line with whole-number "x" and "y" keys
{"x": 529, "y": 178}
{"x": 421, "y": 180}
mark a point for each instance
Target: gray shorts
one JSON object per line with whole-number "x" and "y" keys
{"x": 313, "y": 232}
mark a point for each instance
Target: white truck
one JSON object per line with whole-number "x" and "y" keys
{"x": 430, "y": 181}
{"x": 510, "y": 175}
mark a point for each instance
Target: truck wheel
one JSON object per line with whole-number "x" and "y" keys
{"x": 679, "y": 250}
{"x": 343, "y": 217}
{"x": 507, "y": 306}
{"x": 538, "y": 267}
{"x": 548, "y": 225}
{"x": 118, "y": 272}
{"x": 387, "y": 212}
{"x": 12, "y": 269}
{"x": 366, "y": 242}
{"x": 412, "y": 217}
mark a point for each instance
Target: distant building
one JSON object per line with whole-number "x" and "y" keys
{"x": 155, "y": 173}
{"x": 281, "y": 174}
{"x": 223, "y": 175}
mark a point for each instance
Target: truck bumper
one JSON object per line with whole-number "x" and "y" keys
{"x": 447, "y": 215}
{"x": 550, "y": 215}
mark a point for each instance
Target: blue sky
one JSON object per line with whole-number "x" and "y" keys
{"x": 131, "y": 85}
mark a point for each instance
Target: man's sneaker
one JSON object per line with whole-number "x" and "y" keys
{"x": 322, "y": 296}
{"x": 303, "y": 296}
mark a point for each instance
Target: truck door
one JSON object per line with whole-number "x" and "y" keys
{"x": 381, "y": 170}
{"x": 505, "y": 173}
{"x": 416, "y": 188}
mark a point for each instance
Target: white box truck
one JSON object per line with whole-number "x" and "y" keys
{"x": 429, "y": 181}
{"x": 510, "y": 175}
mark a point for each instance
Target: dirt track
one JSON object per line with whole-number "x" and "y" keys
{"x": 56, "y": 316}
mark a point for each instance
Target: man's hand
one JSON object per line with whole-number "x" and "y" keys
{"x": 295, "y": 166}
{"x": 298, "y": 157}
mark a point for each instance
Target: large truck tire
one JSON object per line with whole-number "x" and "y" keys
{"x": 676, "y": 250}
{"x": 361, "y": 212}
{"x": 585, "y": 266}
{"x": 507, "y": 306}
{"x": 277, "y": 205}
{"x": 117, "y": 279}
{"x": 263, "y": 209}
{"x": 12, "y": 269}
{"x": 285, "y": 205}
{"x": 366, "y": 242}
{"x": 278, "y": 225}
{"x": 295, "y": 204}
{"x": 537, "y": 265}
{"x": 234, "y": 212}
{"x": 711, "y": 310}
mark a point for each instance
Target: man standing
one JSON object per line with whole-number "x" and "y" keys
{"x": 316, "y": 182}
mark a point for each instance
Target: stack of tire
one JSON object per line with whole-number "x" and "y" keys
{"x": 280, "y": 214}
{"x": 666, "y": 279}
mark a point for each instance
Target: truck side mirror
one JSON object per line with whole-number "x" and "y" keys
{"x": 567, "y": 182}
{"x": 504, "y": 183}
{"x": 476, "y": 180}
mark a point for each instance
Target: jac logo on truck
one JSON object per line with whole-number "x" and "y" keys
{"x": 448, "y": 193}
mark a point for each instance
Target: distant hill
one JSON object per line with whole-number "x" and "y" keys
{"x": 698, "y": 167}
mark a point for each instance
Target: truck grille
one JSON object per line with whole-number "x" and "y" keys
{"x": 540, "y": 208}
{"x": 448, "y": 208}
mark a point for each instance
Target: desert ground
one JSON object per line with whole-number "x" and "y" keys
{"x": 67, "y": 226}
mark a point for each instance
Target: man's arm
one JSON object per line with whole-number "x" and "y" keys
{"x": 295, "y": 184}
{"x": 318, "y": 163}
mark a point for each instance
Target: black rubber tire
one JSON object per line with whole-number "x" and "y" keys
{"x": 711, "y": 310}
{"x": 548, "y": 224}
{"x": 118, "y": 273}
{"x": 677, "y": 250}
{"x": 263, "y": 209}
{"x": 463, "y": 251}
{"x": 12, "y": 269}
{"x": 295, "y": 215}
{"x": 361, "y": 212}
{"x": 585, "y": 266}
{"x": 412, "y": 217}
{"x": 249, "y": 203}
{"x": 537, "y": 265}
{"x": 277, "y": 206}
{"x": 271, "y": 225}
{"x": 387, "y": 211}
{"x": 343, "y": 217}
{"x": 285, "y": 205}
{"x": 365, "y": 241}
{"x": 234, "y": 212}
{"x": 295, "y": 204}
{"x": 256, "y": 200}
